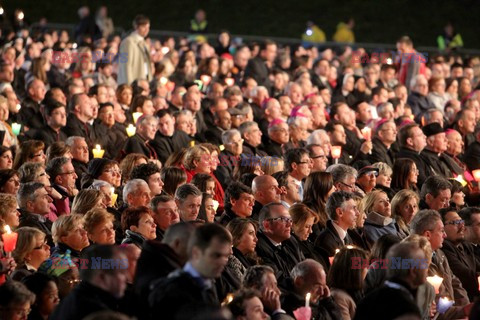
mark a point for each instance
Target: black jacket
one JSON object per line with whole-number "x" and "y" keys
{"x": 30, "y": 114}
{"x": 28, "y": 219}
{"x": 274, "y": 149}
{"x": 165, "y": 146}
{"x": 47, "y": 135}
{"x": 136, "y": 144}
{"x": 472, "y": 156}
{"x": 257, "y": 69}
{"x": 75, "y": 127}
{"x": 380, "y": 153}
{"x": 181, "y": 297}
{"x": 214, "y": 135}
{"x": 329, "y": 240}
{"x": 281, "y": 259}
{"x": 80, "y": 169}
{"x": 85, "y": 299}
{"x": 132, "y": 237}
{"x": 424, "y": 170}
{"x": 224, "y": 172}
{"x": 434, "y": 160}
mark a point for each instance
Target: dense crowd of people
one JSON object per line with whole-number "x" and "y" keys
{"x": 179, "y": 179}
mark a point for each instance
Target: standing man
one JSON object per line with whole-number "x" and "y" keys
{"x": 137, "y": 56}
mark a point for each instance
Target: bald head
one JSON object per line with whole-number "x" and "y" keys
{"x": 265, "y": 189}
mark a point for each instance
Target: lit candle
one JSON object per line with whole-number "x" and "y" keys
{"x": 16, "y": 128}
{"x": 221, "y": 147}
{"x": 18, "y": 107}
{"x": 336, "y": 152}
{"x": 435, "y": 281}
{"x": 444, "y": 304}
{"x": 9, "y": 239}
{"x": 229, "y": 81}
{"x": 367, "y": 133}
{"x": 165, "y": 50}
{"x": 307, "y": 299}
{"x": 192, "y": 143}
{"x": 114, "y": 197}
{"x": 460, "y": 179}
{"x": 136, "y": 115}
{"x": 330, "y": 259}
{"x": 205, "y": 79}
{"x": 476, "y": 175}
{"x": 131, "y": 130}
{"x": 215, "y": 205}
{"x": 98, "y": 152}
{"x": 163, "y": 81}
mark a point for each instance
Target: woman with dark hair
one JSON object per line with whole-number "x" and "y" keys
{"x": 303, "y": 220}
{"x": 344, "y": 90}
{"x": 346, "y": 283}
{"x": 223, "y": 40}
{"x": 129, "y": 162}
{"x": 58, "y": 149}
{"x": 361, "y": 91}
{"x": 405, "y": 175}
{"x": 46, "y": 295}
{"x": 138, "y": 225}
{"x": 458, "y": 196}
{"x": 244, "y": 235}
{"x": 142, "y": 104}
{"x": 316, "y": 190}
{"x": 9, "y": 181}
{"x": 102, "y": 169}
{"x": 124, "y": 96}
{"x": 207, "y": 209}
{"x": 376, "y": 274}
{"x": 6, "y": 158}
{"x": 451, "y": 88}
{"x": 172, "y": 178}
{"x": 30, "y": 151}
{"x": 464, "y": 87}
{"x": 184, "y": 72}
{"x": 204, "y": 182}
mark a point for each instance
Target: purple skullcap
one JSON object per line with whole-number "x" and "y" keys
{"x": 274, "y": 122}
{"x": 265, "y": 101}
{"x": 380, "y": 123}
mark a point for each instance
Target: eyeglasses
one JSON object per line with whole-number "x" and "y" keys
{"x": 320, "y": 156}
{"x": 347, "y": 185}
{"x": 455, "y": 222}
{"x": 43, "y": 245}
{"x": 282, "y": 219}
{"x": 305, "y": 162}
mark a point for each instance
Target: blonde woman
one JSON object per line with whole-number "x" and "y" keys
{"x": 10, "y": 139}
{"x": 379, "y": 222}
{"x": 8, "y": 210}
{"x": 197, "y": 160}
{"x": 86, "y": 200}
{"x": 99, "y": 226}
{"x": 404, "y": 208}
{"x": 68, "y": 234}
{"x": 31, "y": 251}
{"x": 270, "y": 165}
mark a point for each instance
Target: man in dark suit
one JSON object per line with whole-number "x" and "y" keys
{"x": 222, "y": 122}
{"x": 275, "y": 246}
{"x": 385, "y": 136}
{"x": 396, "y": 298}
{"x": 81, "y": 109}
{"x": 343, "y": 212}
{"x": 56, "y": 119}
{"x": 140, "y": 142}
{"x": 191, "y": 291}
{"x": 258, "y": 67}
{"x": 168, "y": 140}
{"x": 460, "y": 253}
{"x": 252, "y": 137}
{"x": 30, "y": 115}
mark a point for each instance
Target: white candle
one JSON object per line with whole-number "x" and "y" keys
{"x": 98, "y": 152}
{"x": 307, "y": 299}
{"x": 435, "y": 281}
{"x": 131, "y": 130}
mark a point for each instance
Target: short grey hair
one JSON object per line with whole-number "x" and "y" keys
{"x": 304, "y": 268}
{"x": 27, "y": 193}
{"x": 71, "y": 140}
{"x": 186, "y": 190}
{"x": 296, "y": 121}
{"x": 132, "y": 187}
{"x": 28, "y": 171}
{"x": 228, "y": 135}
{"x": 247, "y": 126}
{"x": 340, "y": 172}
{"x": 423, "y": 221}
{"x": 316, "y": 137}
{"x": 98, "y": 184}
{"x": 55, "y": 166}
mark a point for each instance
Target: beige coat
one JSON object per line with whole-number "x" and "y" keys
{"x": 135, "y": 60}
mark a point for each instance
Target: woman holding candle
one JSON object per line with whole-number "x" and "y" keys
{"x": 346, "y": 282}
{"x": 31, "y": 251}
{"x": 379, "y": 222}
{"x": 138, "y": 225}
{"x": 404, "y": 208}
{"x": 6, "y": 158}
{"x": 8, "y": 210}
{"x": 30, "y": 151}
{"x": 9, "y": 181}
{"x": 99, "y": 226}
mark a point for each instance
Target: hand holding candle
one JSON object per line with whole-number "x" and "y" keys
{"x": 98, "y": 151}
{"x": 113, "y": 197}
{"x": 336, "y": 152}
{"x": 435, "y": 281}
{"x": 9, "y": 240}
{"x": 443, "y": 305}
{"x": 367, "y": 133}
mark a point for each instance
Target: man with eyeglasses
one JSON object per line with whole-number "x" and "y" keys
{"x": 428, "y": 223}
{"x": 460, "y": 253}
{"x": 299, "y": 165}
{"x": 318, "y": 156}
{"x": 343, "y": 212}
{"x": 343, "y": 177}
{"x": 63, "y": 177}
{"x": 471, "y": 216}
{"x": 275, "y": 245}
{"x": 367, "y": 178}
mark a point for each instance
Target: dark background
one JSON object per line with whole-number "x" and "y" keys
{"x": 376, "y": 21}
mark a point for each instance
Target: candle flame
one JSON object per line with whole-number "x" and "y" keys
{"x": 98, "y": 147}
{"x": 7, "y": 229}
{"x": 308, "y": 296}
